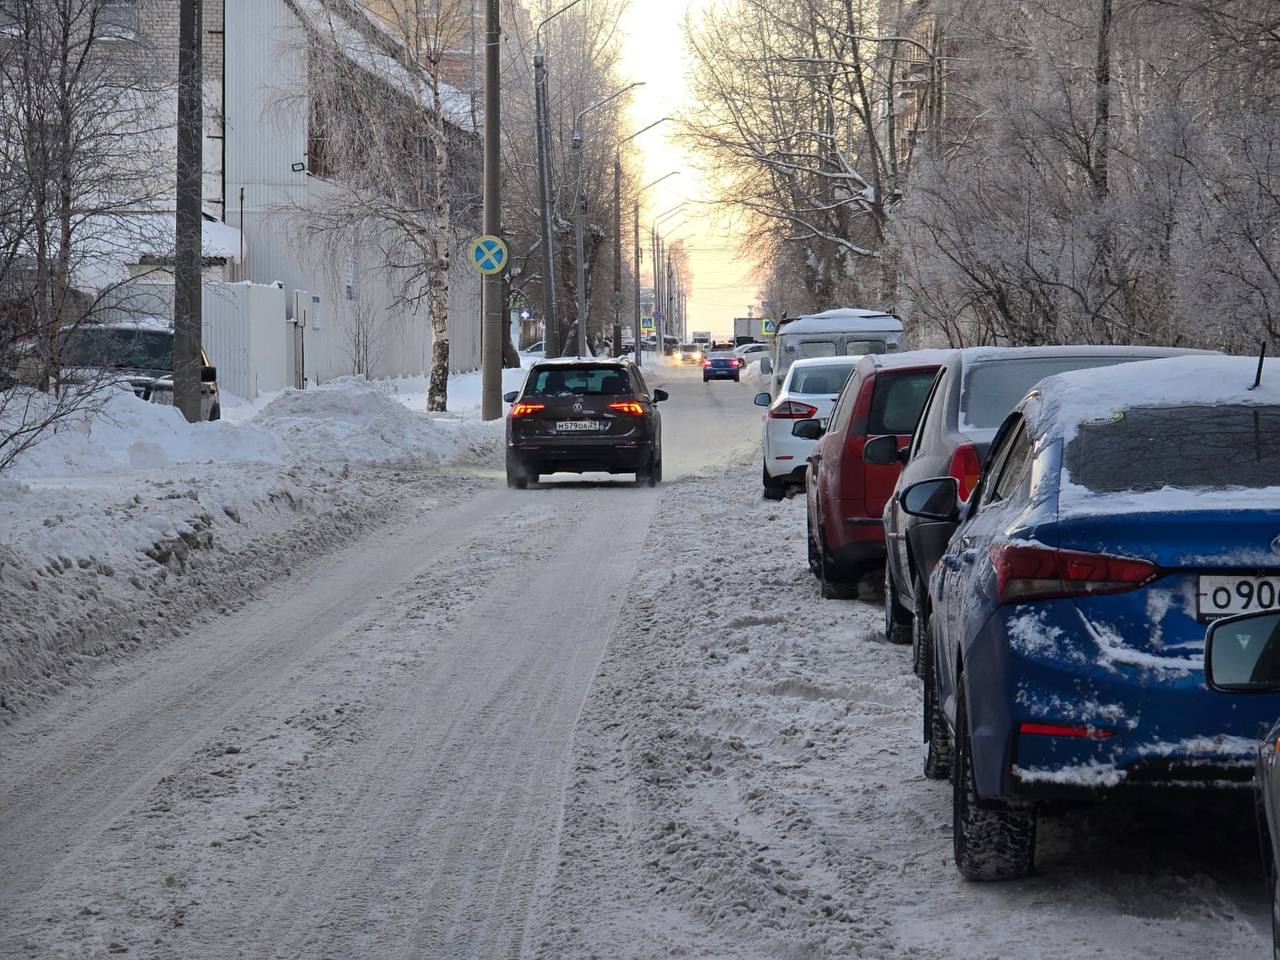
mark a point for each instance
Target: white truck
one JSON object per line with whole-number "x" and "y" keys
{"x": 701, "y": 337}
{"x": 844, "y": 332}
{"x": 747, "y": 330}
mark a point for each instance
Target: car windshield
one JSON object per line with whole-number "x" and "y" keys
{"x": 116, "y": 348}
{"x": 992, "y": 388}
{"x": 570, "y": 381}
{"x": 1152, "y": 448}
{"x": 826, "y": 378}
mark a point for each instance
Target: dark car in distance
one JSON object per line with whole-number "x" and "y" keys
{"x": 584, "y": 416}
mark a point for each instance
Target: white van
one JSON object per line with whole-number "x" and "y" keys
{"x": 843, "y": 332}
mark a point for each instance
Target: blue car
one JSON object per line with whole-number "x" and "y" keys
{"x": 1120, "y": 511}
{"x": 722, "y": 366}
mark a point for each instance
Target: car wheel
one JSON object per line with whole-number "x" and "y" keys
{"x": 649, "y": 474}
{"x": 897, "y": 623}
{"x": 705, "y": 378}
{"x": 215, "y": 413}
{"x": 833, "y": 586}
{"x": 937, "y": 736}
{"x": 737, "y": 378}
{"x": 517, "y": 477}
{"x": 815, "y": 563}
{"x": 994, "y": 841}
{"x": 774, "y": 488}
{"x": 919, "y": 633}
{"x": 1275, "y": 914}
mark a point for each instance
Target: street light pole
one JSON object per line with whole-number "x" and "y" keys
{"x": 187, "y": 318}
{"x": 635, "y": 283}
{"x": 617, "y": 244}
{"x": 580, "y": 209}
{"x": 551, "y": 324}
{"x": 491, "y": 288}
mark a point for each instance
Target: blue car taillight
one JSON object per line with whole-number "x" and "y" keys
{"x": 1026, "y": 572}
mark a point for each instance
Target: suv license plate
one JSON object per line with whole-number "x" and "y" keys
{"x": 1225, "y": 596}
{"x": 580, "y": 426}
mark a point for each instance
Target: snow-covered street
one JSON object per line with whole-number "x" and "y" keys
{"x": 428, "y": 716}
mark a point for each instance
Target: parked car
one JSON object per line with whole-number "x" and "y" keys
{"x": 974, "y": 391}
{"x": 1242, "y": 655}
{"x": 808, "y": 392}
{"x": 844, "y": 332}
{"x": 137, "y": 353}
{"x": 845, "y": 495}
{"x": 535, "y": 349}
{"x": 722, "y": 365}
{"x": 751, "y": 352}
{"x": 1120, "y": 510}
{"x": 582, "y": 416}
{"x": 691, "y": 353}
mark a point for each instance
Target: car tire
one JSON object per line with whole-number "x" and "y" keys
{"x": 919, "y": 633}
{"x": 992, "y": 841}
{"x": 831, "y": 584}
{"x": 705, "y": 378}
{"x": 517, "y": 476}
{"x": 650, "y": 475}
{"x": 815, "y": 563}
{"x": 774, "y": 488}
{"x": 897, "y": 623}
{"x": 938, "y": 750}
{"x": 215, "y": 412}
{"x": 737, "y": 378}
{"x": 1275, "y": 912}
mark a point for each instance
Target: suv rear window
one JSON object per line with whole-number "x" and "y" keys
{"x": 1150, "y": 448}
{"x": 860, "y": 348}
{"x": 819, "y": 379}
{"x": 566, "y": 381}
{"x": 992, "y": 388}
{"x": 897, "y": 401}
{"x": 116, "y": 348}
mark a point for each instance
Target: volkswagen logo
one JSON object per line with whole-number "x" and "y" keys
{"x": 577, "y": 408}
{"x": 1275, "y": 545}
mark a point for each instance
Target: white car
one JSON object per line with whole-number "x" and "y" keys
{"x": 809, "y": 392}
{"x": 751, "y": 352}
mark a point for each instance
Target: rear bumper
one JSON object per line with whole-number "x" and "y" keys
{"x": 1151, "y": 730}
{"x": 721, "y": 373}
{"x": 582, "y": 457}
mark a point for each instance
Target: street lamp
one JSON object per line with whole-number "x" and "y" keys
{"x": 580, "y": 208}
{"x": 551, "y": 331}
{"x": 635, "y": 273}
{"x": 661, "y": 270}
{"x": 617, "y": 243}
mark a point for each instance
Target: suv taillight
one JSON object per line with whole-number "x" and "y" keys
{"x": 792, "y": 410}
{"x": 1025, "y": 572}
{"x": 966, "y": 468}
{"x": 526, "y": 409}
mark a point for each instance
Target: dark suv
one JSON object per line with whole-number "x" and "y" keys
{"x": 583, "y": 416}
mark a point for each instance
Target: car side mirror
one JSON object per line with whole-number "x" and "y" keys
{"x": 1242, "y": 654}
{"x": 881, "y": 450}
{"x": 766, "y": 366}
{"x": 510, "y": 397}
{"x": 659, "y": 395}
{"x": 937, "y": 499}
{"x": 208, "y": 374}
{"x": 761, "y": 400}
{"x": 807, "y": 429}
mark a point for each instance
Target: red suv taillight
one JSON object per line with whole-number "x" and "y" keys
{"x": 1040, "y": 573}
{"x": 791, "y": 410}
{"x": 628, "y": 406}
{"x": 525, "y": 409}
{"x": 966, "y": 467}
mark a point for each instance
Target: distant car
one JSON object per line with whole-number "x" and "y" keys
{"x": 809, "y": 391}
{"x": 1120, "y": 510}
{"x": 722, "y": 365}
{"x": 750, "y": 352}
{"x": 845, "y": 495}
{"x": 584, "y": 416}
{"x": 975, "y": 389}
{"x": 1242, "y": 656}
{"x": 536, "y": 349}
{"x": 691, "y": 353}
{"x": 137, "y": 353}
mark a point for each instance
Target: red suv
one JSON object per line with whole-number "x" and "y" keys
{"x": 846, "y": 495}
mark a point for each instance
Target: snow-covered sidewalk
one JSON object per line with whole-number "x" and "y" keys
{"x": 747, "y": 784}
{"x": 127, "y": 523}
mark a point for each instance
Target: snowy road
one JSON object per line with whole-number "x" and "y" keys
{"x": 585, "y": 720}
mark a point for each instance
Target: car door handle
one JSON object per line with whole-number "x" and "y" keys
{"x": 951, "y": 561}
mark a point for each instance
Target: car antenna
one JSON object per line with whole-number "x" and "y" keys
{"x": 1262, "y": 355}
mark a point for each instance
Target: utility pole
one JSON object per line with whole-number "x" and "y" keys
{"x": 491, "y": 326}
{"x": 187, "y": 318}
{"x": 551, "y": 327}
{"x": 635, "y": 284}
{"x": 617, "y": 258}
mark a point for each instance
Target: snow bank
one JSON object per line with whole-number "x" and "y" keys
{"x": 354, "y": 420}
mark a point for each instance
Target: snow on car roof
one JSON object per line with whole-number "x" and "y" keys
{"x": 580, "y": 361}
{"x": 971, "y": 355}
{"x": 909, "y": 358}
{"x": 1080, "y": 395}
{"x": 159, "y": 324}
{"x": 844, "y": 319}
{"x": 825, "y": 361}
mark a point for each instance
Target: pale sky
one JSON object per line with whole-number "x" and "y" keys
{"x": 654, "y": 51}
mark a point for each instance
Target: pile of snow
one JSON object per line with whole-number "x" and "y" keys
{"x": 127, "y": 433}
{"x": 360, "y": 421}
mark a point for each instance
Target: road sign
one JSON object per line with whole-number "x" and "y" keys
{"x": 770, "y": 327}
{"x": 489, "y": 254}
{"x": 646, "y": 324}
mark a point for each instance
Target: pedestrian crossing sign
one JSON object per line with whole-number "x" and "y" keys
{"x": 770, "y": 327}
